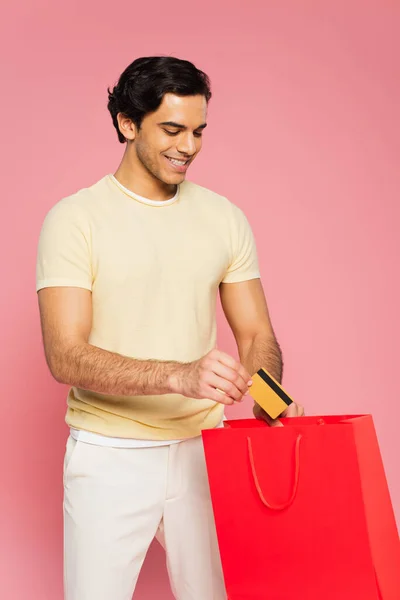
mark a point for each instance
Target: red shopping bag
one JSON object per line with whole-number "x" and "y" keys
{"x": 303, "y": 512}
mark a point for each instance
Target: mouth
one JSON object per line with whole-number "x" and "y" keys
{"x": 178, "y": 164}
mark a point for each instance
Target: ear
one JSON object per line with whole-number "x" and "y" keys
{"x": 127, "y": 127}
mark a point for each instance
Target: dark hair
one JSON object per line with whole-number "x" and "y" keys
{"x": 142, "y": 86}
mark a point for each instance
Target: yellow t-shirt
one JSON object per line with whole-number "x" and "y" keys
{"x": 154, "y": 271}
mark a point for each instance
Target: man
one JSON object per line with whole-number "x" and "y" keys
{"x": 128, "y": 275}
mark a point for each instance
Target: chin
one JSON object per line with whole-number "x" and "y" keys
{"x": 175, "y": 179}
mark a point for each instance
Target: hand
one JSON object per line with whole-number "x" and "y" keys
{"x": 216, "y": 376}
{"x": 293, "y": 410}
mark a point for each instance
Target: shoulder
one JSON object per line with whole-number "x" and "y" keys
{"x": 220, "y": 209}
{"x": 200, "y": 192}
{"x": 79, "y": 205}
{"x": 210, "y": 198}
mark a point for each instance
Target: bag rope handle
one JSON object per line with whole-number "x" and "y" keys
{"x": 295, "y": 480}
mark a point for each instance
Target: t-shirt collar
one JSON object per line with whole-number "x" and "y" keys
{"x": 142, "y": 199}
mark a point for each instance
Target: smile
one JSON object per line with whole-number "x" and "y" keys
{"x": 178, "y": 162}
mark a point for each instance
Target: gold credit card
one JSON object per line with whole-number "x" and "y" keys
{"x": 269, "y": 394}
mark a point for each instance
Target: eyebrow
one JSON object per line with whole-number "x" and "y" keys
{"x": 180, "y": 126}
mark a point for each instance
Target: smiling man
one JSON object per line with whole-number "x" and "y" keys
{"x": 128, "y": 275}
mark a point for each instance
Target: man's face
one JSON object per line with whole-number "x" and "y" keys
{"x": 170, "y": 138}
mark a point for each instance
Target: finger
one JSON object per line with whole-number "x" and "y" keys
{"x": 231, "y": 375}
{"x": 244, "y": 374}
{"x": 258, "y": 411}
{"x": 261, "y": 415}
{"x": 229, "y": 361}
{"x": 272, "y": 422}
{"x": 291, "y": 411}
{"x": 218, "y": 396}
{"x": 275, "y": 423}
{"x": 225, "y": 386}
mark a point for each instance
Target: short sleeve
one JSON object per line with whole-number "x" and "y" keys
{"x": 64, "y": 250}
{"x": 244, "y": 260}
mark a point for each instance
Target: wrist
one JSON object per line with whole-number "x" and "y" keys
{"x": 176, "y": 377}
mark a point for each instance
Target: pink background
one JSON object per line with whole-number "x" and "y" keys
{"x": 303, "y": 135}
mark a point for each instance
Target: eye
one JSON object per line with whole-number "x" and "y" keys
{"x": 171, "y": 132}
{"x": 198, "y": 133}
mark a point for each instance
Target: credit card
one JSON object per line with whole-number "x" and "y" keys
{"x": 269, "y": 394}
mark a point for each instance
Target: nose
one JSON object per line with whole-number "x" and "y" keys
{"x": 186, "y": 144}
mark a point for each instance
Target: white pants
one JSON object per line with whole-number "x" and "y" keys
{"x": 116, "y": 500}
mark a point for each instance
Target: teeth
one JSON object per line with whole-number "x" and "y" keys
{"x": 179, "y": 163}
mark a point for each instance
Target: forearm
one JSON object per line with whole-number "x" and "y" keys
{"x": 262, "y": 352}
{"x": 92, "y": 368}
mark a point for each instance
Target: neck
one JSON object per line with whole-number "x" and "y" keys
{"x": 133, "y": 175}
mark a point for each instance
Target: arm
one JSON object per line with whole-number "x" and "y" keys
{"x": 246, "y": 310}
{"x": 66, "y": 319}
{"x": 247, "y": 313}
